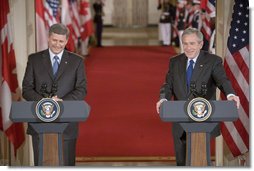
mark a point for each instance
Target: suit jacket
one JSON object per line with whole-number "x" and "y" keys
{"x": 70, "y": 80}
{"x": 208, "y": 69}
{"x": 98, "y": 10}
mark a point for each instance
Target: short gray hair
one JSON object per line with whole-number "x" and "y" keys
{"x": 59, "y": 28}
{"x": 191, "y": 30}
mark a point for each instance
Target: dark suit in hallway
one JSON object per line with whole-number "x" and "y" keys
{"x": 208, "y": 70}
{"x": 69, "y": 80}
{"x": 98, "y": 10}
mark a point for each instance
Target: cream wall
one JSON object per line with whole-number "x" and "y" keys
{"x": 109, "y": 11}
{"x": 153, "y": 13}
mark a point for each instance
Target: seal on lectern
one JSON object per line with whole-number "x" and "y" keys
{"x": 47, "y": 110}
{"x": 199, "y": 109}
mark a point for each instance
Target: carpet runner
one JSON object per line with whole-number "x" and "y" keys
{"x": 123, "y": 88}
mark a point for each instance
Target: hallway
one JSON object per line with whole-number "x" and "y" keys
{"x": 137, "y": 38}
{"x": 130, "y": 36}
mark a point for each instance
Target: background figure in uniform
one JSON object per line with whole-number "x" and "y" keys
{"x": 181, "y": 21}
{"x": 98, "y": 10}
{"x": 211, "y": 48}
{"x": 206, "y": 69}
{"x": 188, "y": 13}
{"x": 197, "y": 19}
{"x": 62, "y": 70}
{"x": 166, "y": 18}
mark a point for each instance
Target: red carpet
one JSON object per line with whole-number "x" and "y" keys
{"x": 123, "y": 88}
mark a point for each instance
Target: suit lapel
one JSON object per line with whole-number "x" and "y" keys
{"x": 182, "y": 71}
{"x": 47, "y": 63}
{"x": 198, "y": 67}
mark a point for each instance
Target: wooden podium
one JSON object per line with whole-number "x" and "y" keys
{"x": 51, "y": 150}
{"x": 198, "y": 133}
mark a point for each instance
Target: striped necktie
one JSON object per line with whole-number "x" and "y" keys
{"x": 189, "y": 73}
{"x": 55, "y": 65}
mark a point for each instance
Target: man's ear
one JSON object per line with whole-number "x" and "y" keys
{"x": 201, "y": 44}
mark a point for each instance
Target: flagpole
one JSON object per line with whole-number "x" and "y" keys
{"x": 9, "y": 153}
{"x": 1, "y": 151}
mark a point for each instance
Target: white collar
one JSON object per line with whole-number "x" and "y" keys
{"x": 194, "y": 59}
{"x": 51, "y": 54}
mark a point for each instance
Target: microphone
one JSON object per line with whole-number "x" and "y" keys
{"x": 192, "y": 86}
{"x": 203, "y": 89}
{"x": 53, "y": 89}
{"x": 192, "y": 90}
{"x": 43, "y": 90}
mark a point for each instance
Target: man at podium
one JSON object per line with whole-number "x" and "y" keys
{"x": 59, "y": 74}
{"x": 193, "y": 73}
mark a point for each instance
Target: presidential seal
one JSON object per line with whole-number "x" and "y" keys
{"x": 47, "y": 110}
{"x": 199, "y": 109}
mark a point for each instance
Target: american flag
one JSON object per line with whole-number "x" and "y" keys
{"x": 53, "y": 6}
{"x": 70, "y": 18}
{"x": 209, "y": 7}
{"x": 237, "y": 62}
{"x": 9, "y": 84}
{"x": 47, "y": 14}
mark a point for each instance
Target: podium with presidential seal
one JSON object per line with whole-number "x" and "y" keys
{"x": 198, "y": 117}
{"x": 49, "y": 119}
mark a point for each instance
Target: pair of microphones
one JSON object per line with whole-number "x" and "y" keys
{"x": 193, "y": 90}
{"x": 48, "y": 94}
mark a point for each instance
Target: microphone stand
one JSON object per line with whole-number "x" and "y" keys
{"x": 203, "y": 89}
{"x": 44, "y": 91}
{"x": 193, "y": 91}
{"x": 53, "y": 90}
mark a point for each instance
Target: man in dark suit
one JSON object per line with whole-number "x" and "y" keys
{"x": 206, "y": 69}
{"x": 69, "y": 81}
{"x": 98, "y": 10}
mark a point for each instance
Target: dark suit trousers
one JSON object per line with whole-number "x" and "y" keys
{"x": 69, "y": 151}
{"x": 180, "y": 146}
{"x": 180, "y": 150}
{"x": 99, "y": 27}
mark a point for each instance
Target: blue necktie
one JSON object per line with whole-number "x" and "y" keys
{"x": 189, "y": 73}
{"x": 55, "y": 65}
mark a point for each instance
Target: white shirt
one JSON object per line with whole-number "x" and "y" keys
{"x": 194, "y": 60}
{"x": 52, "y": 55}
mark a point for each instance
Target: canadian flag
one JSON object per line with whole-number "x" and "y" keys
{"x": 71, "y": 20}
{"x": 9, "y": 84}
{"x": 86, "y": 25}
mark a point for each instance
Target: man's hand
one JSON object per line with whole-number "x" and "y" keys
{"x": 158, "y": 104}
{"x": 56, "y": 98}
{"x": 236, "y": 99}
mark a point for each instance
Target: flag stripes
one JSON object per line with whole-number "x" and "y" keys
{"x": 236, "y": 64}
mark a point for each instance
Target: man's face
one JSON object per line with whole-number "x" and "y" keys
{"x": 57, "y": 42}
{"x": 191, "y": 45}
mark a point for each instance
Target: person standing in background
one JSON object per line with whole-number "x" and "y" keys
{"x": 166, "y": 18}
{"x": 98, "y": 10}
{"x": 197, "y": 19}
{"x": 180, "y": 23}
